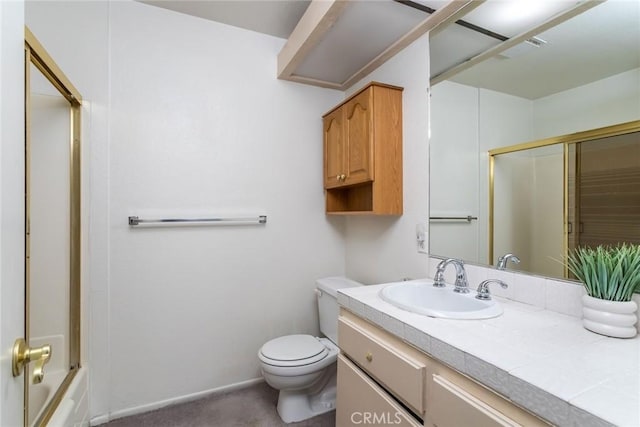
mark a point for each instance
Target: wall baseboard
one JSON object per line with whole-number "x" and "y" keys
{"x": 98, "y": 420}
{"x": 102, "y": 419}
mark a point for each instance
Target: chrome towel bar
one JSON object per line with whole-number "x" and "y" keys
{"x": 467, "y": 218}
{"x": 262, "y": 219}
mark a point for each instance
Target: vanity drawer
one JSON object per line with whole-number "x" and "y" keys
{"x": 395, "y": 366}
{"x": 361, "y": 401}
{"x": 451, "y": 406}
{"x": 456, "y": 400}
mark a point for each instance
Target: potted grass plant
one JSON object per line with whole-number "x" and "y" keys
{"x": 610, "y": 274}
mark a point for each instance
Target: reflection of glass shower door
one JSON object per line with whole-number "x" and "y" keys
{"x": 572, "y": 196}
{"x": 608, "y": 191}
{"x": 528, "y": 210}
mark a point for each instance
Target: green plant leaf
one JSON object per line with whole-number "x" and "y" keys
{"x": 607, "y": 272}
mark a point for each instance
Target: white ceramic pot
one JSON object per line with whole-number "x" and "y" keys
{"x": 612, "y": 318}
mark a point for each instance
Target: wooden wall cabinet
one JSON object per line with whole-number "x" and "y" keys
{"x": 363, "y": 153}
{"x": 387, "y": 380}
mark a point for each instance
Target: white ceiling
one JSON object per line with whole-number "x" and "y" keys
{"x": 274, "y": 17}
{"x": 599, "y": 43}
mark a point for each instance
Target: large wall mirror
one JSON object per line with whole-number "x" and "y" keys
{"x": 585, "y": 81}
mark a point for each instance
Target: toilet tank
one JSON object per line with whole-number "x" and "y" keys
{"x": 328, "y": 309}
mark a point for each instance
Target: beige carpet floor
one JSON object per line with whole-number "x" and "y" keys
{"x": 251, "y": 407}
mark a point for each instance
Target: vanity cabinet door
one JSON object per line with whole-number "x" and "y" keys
{"x": 360, "y": 401}
{"x": 452, "y": 406}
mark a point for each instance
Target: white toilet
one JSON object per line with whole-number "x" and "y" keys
{"x": 303, "y": 367}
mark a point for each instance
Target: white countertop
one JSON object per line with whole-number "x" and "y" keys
{"x": 542, "y": 360}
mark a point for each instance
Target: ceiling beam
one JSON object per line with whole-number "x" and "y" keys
{"x": 313, "y": 82}
{"x": 555, "y": 20}
{"x": 437, "y": 21}
{"x": 314, "y": 24}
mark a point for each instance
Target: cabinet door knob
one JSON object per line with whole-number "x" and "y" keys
{"x": 342, "y": 177}
{"x": 338, "y": 177}
{"x": 369, "y": 357}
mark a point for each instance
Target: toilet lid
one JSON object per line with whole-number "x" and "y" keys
{"x": 294, "y": 348}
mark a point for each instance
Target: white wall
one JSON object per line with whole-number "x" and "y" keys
{"x": 381, "y": 249}
{"x": 454, "y": 169}
{"x": 11, "y": 204}
{"x": 605, "y": 102}
{"x": 201, "y": 126}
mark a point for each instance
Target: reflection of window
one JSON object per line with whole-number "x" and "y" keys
{"x": 608, "y": 191}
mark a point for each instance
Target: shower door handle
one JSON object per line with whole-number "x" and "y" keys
{"x": 22, "y": 355}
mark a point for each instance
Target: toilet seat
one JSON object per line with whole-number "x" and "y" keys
{"x": 293, "y": 350}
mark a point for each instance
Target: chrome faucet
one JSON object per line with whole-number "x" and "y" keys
{"x": 461, "y": 284}
{"x": 502, "y": 261}
{"x": 483, "y": 289}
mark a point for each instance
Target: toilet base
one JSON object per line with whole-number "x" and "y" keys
{"x": 300, "y": 405}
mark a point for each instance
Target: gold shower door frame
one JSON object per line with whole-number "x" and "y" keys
{"x": 36, "y": 54}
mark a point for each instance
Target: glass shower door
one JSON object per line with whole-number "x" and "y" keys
{"x": 52, "y": 233}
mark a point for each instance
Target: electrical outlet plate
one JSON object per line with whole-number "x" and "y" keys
{"x": 421, "y": 238}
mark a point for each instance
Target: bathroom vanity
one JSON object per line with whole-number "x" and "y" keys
{"x": 528, "y": 367}
{"x": 388, "y": 379}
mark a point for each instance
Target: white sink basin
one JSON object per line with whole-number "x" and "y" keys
{"x": 422, "y": 298}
